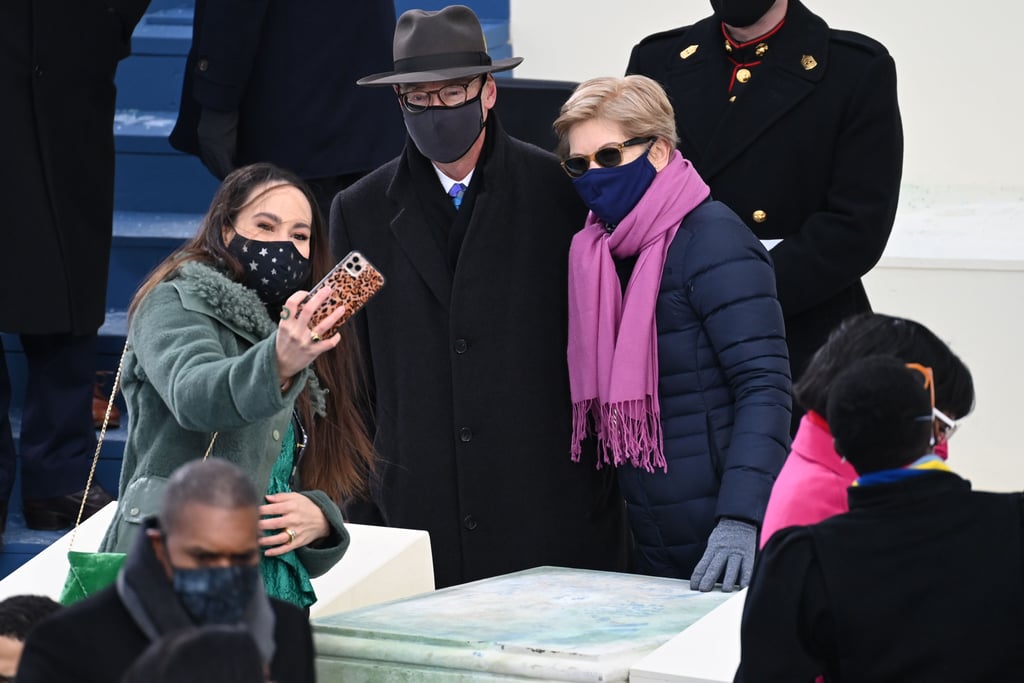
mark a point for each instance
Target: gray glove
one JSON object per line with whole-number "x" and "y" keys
{"x": 217, "y": 132}
{"x": 731, "y": 548}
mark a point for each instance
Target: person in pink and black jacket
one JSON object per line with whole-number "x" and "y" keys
{"x": 812, "y": 484}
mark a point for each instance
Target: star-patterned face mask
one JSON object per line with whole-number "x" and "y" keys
{"x": 274, "y": 270}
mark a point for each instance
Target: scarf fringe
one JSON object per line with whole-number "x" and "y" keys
{"x": 628, "y": 432}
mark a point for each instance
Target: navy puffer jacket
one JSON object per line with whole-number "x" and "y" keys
{"x": 724, "y": 389}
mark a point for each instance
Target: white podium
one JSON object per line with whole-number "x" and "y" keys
{"x": 381, "y": 564}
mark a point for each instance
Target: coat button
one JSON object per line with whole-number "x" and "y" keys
{"x": 37, "y": 72}
{"x": 203, "y": 64}
{"x": 134, "y": 512}
{"x": 469, "y": 522}
{"x": 759, "y": 216}
{"x": 465, "y": 435}
{"x": 461, "y": 346}
{"x": 276, "y": 434}
{"x": 743, "y": 75}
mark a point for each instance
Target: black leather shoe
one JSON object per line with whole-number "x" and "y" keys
{"x": 60, "y": 512}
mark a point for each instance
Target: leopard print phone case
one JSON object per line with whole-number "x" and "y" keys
{"x": 354, "y": 280}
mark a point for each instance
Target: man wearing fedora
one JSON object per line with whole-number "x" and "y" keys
{"x": 465, "y": 346}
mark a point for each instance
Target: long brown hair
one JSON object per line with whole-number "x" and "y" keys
{"x": 339, "y": 457}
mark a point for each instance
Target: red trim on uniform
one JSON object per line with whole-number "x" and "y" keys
{"x": 736, "y": 66}
{"x": 735, "y": 45}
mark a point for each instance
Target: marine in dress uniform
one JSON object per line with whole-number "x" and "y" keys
{"x": 797, "y": 130}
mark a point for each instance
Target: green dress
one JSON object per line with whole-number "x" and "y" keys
{"x": 284, "y": 576}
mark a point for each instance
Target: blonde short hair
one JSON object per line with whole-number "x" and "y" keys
{"x": 637, "y": 104}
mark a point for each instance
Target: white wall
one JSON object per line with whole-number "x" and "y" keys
{"x": 959, "y": 84}
{"x": 956, "y": 258}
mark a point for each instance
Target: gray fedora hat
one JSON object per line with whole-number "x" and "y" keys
{"x": 439, "y": 46}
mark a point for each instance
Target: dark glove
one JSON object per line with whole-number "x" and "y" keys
{"x": 218, "y": 140}
{"x": 731, "y": 548}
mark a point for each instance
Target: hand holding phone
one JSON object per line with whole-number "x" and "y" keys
{"x": 354, "y": 280}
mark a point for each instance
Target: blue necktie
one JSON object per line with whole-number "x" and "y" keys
{"x": 458, "y": 189}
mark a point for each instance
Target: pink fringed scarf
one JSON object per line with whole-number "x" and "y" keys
{"x": 613, "y": 350}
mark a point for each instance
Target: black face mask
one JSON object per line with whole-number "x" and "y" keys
{"x": 445, "y": 134}
{"x": 740, "y": 13}
{"x": 274, "y": 270}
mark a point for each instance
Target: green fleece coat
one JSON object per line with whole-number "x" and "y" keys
{"x": 201, "y": 359}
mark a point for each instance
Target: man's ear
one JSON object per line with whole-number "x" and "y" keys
{"x": 489, "y": 95}
{"x": 159, "y": 543}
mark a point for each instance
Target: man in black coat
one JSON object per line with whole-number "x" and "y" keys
{"x": 57, "y": 70}
{"x": 796, "y": 127}
{"x": 275, "y": 81}
{"x": 465, "y": 347}
{"x": 198, "y": 565}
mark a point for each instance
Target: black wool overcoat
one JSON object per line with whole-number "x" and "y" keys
{"x": 469, "y": 371}
{"x": 57, "y": 65}
{"x": 810, "y": 152}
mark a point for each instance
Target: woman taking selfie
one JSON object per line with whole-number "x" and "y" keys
{"x": 220, "y": 358}
{"x": 677, "y": 354}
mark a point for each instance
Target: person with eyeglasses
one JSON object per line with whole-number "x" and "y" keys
{"x": 795, "y": 126}
{"x": 812, "y": 484}
{"x": 464, "y": 350}
{"x": 919, "y": 582}
{"x": 677, "y": 350}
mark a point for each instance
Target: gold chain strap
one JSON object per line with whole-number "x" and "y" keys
{"x": 99, "y": 443}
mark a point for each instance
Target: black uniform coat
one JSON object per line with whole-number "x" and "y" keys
{"x": 57, "y": 64}
{"x": 473, "y": 413}
{"x": 813, "y": 140}
{"x": 920, "y": 581}
{"x": 289, "y": 67}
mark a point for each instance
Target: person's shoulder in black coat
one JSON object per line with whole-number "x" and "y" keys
{"x": 96, "y": 640}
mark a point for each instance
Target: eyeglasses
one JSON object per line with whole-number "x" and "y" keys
{"x": 608, "y": 156}
{"x": 451, "y": 95}
{"x": 946, "y": 426}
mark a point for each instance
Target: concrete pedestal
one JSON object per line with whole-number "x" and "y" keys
{"x": 543, "y": 624}
{"x": 381, "y": 564}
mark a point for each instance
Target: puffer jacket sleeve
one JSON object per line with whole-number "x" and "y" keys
{"x": 732, "y": 291}
{"x": 205, "y": 387}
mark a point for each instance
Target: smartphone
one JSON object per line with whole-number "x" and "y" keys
{"x": 354, "y": 280}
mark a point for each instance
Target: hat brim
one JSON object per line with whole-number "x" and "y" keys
{"x": 397, "y": 77}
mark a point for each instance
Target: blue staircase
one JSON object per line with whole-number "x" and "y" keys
{"x": 159, "y": 198}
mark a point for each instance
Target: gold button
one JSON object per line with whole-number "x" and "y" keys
{"x": 760, "y": 216}
{"x": 277, "y": 435}
{"x": 732, "y": 99}
{"x": 728, "y": 47}
{"x": 743, "y": 75}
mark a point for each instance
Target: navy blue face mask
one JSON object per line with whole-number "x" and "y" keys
{"x": 216, "y": 595}
{"x": 611, "y": 193}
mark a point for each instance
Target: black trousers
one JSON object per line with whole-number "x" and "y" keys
{"x": 58, "y": 438}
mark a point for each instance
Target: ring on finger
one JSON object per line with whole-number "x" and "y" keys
{"x": 315, "y": 337}
{"x": 291, "y": 535}
{"x": 285, "y": 313}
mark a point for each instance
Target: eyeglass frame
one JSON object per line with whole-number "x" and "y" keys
{"x": 948, "y": 425}
{"x": 415, "y": 109}
{"x": 618, "y": 146}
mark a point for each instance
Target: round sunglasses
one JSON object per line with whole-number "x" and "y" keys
{"x": 608, "y": 156}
